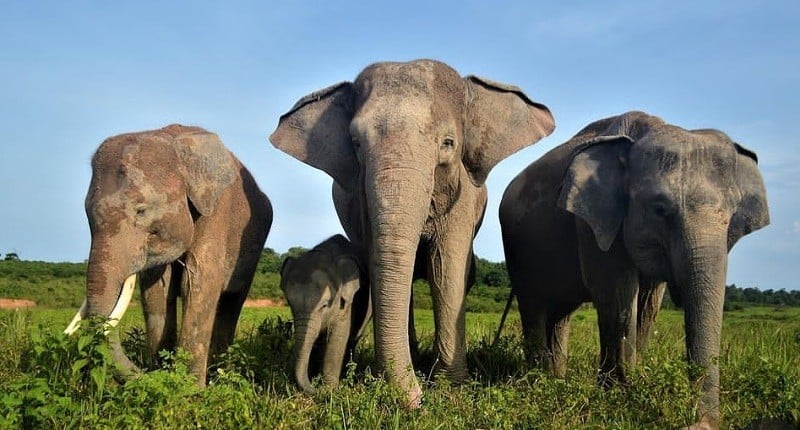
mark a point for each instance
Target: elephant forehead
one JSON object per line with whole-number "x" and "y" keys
{"x": 683, "y": 152}
{"x": 310, "y": 268}
{"x": 308, "y": 291}
{"x": 152, "y": 160}
{"x": 431, "y": 81}
{"x": 391, "y": 77}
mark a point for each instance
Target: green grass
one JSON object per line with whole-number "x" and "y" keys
{"x": 50, "y": 380}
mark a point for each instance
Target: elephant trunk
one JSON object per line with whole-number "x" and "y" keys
{"x": 399, "y": 202}
{"x": 305, "y": 334}
{"x": 108, "y": 294}
{"x": 104, "y": 281}
{"x": 702, "y": 286}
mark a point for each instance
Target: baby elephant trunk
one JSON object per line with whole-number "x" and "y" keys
{"x": 306, "y": 333}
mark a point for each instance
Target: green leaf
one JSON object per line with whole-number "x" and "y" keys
{"x": 79, "y": 364}
{"x": 83, "y": 341}
{"x": 98, "y": 375}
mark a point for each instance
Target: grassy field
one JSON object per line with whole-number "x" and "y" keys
{"x": 53, "y": 381}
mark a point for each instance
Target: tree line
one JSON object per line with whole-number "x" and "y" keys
{"x": 63, "y": 284}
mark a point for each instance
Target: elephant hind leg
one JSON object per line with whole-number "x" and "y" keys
{"x": 413, "y": 342}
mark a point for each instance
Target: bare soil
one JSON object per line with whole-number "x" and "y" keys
{"x": 16, "y": 303}
{"x": 261, "y": 303}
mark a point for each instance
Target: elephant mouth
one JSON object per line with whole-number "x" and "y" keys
{"x": 124, "y": 299}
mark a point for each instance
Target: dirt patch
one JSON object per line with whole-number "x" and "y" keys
{"x": 261, "y": 303}
{"x": 16, "y": 303}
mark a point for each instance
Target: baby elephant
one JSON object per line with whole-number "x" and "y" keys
{"x": 327, "y": 289}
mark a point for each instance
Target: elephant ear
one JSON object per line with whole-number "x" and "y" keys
{"x": 350, "y": 282}
{"x": 207, "y": 167}
{"x": 753, "y": 212}
{"x": 287, "y": 262}
{"x": 316, "y": 131}
{"x": 499, "y": 121}
{"x": 594, "y": 187}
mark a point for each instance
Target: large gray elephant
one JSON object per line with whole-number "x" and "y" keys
{"x": 628, "y": 203}
{"x": 409, "y": 146}
{"x": 176, "y": 207}
{"x": 327, "y": 289}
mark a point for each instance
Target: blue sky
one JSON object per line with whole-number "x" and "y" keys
{"x": 74, "y": 73}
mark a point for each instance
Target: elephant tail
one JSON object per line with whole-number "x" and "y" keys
{"x": 503, "y": 318}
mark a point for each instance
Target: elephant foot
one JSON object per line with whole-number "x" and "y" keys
{"x": 455, "y": 374}
{"x": 701, "y": 425}
{"x": 414, "y": 400}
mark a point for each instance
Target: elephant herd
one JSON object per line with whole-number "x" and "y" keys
{"x": 629, "y": 206}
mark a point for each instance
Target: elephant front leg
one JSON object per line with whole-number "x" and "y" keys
{"x": 558, "y": 322}
{"x": 200, "y": 292}
{"x": 159, "y": 307}
{"x": 616, "y": 315}
{"x": 447, "y": 276}
{"x": 533, "y": 316}
{"x": 613, "y": 282}
{"x": 229, "y": 307}
{"x": 649, "y": 303}
{"x": 336, "y": 349}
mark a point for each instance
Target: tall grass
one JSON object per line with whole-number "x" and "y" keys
{"x": 251, "y": 385}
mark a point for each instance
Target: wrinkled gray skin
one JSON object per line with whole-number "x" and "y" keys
{"x": 627, "y": 204}
{"x": 409, "y": 146}
{"x": 328, "y": 291}
{"x": 176, "y": 207}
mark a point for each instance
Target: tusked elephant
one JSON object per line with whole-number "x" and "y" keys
{"x": 177, "y": 208}
{"x": 327, "y": 289}
{"x": 409, "y": 146}
{"x": 629, "y": 203}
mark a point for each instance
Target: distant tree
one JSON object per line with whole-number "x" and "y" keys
{"x": 781, "y": 297}
{"x": 294, "y": 251}
{"x": 733, "y": 294}
{"x": 490, "y": 273}
{"x": 12, "y": 256}
{"x": 269, "y": 262}
{"x": 752, "y": 295}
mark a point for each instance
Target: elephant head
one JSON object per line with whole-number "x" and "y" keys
{"x": 146, "y": 193}
{"x": 320, "y": 289}
{"x": 679, "y": 200}
{"x": 413, "y": 139}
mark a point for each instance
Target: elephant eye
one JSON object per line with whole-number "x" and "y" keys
{"x": 449, "y": 142}
{"x": 141, "y": 211}
{"x": 660, "y": 210}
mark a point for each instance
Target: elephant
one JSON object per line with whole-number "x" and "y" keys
{"x": 409, "y": 146}
{"x": 327, "y": 289}
{"x": 628, "y": 204}
{"x": 177, "y": 208}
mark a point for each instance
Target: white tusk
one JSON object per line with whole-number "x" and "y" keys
{"x": 122, "y": 302}
{"x": 116, "y": 314}
{"x": 76, "y": 321}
